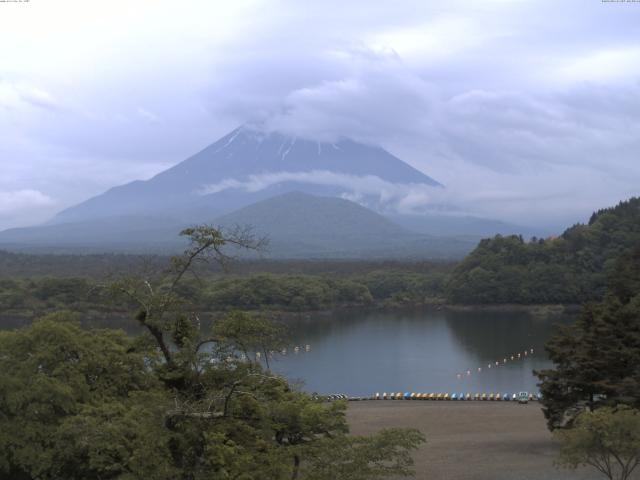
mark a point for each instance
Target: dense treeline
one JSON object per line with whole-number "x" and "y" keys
{"x": 305, "y": 292}
{"x": 597, "y": 359}
{"x": 568, "y": 269}
{"x": 571, "y": 268}
{"x": 23, "y": 265}
{"x": 43, "y": 283}
{"x": 289, "y": 292}
{"x": 46, "y": 294}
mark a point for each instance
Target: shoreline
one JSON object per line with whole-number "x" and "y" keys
{"x": 541, "y": 310}
{"x": 538, "y": 310}
{"x": 550, "y": 309}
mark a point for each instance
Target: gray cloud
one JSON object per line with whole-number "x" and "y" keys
{"x": 523, "y": 109}
{"x": 393, "y": 197}
{"x": 14, "y": 204}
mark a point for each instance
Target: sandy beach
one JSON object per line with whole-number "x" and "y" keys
{"x": 470, "y": 440}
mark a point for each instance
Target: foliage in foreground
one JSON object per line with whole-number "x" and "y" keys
{"x": 597, "y": 359}
{"x": 174, "y": 403}
{"x": 606, "y": 439}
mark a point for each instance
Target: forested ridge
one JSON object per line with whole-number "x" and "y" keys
{"x": 571, "y": 268}
{"x": 261, "y": 291}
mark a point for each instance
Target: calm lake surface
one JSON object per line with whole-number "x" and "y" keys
{"x": 418, "y": 350}
{"x": 359, "y": 352}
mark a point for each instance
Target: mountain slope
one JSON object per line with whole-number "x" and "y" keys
{"x": 245, "y": 166}
{"x": 462, "y": 225}
{"x": 336, "y": 228}
{"x": 298, "y": 214}
{"x": 134, "y": 234}
{"x": 298, "y": 225}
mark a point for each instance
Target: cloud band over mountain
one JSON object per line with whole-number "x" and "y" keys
{"x": 396, "y": 197}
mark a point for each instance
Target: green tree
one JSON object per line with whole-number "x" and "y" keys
{"x": 572, "y": 268}
{"x": 607, "y": 439}
{"x": 78, "y": 404}
{"x": 597, "y": 359}
{"x": 96, "y": 404}
{"x": 250, "y": 334}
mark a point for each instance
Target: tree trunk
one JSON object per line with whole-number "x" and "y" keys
{"x": 157, "y": 334}
{"x": 266, "y": 358}
{"x": 296, "y": 467}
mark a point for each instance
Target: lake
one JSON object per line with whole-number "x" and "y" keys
{"x": 418, "y": 350}
{"x": 360, "y": 352}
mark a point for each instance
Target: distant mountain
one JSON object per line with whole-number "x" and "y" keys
{"x": 246, "y": 166}
{"x": 291, "y": 188}
{"x": 462, "y": 225}
{"x": 134, "y": 234}
{"x": 299, "y": 215}
{"x": 298, "y": 225}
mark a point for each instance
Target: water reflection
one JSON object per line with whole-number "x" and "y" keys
{"x": 424, "y": 350}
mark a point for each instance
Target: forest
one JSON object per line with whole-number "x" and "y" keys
{"x": 346, "y": 285}
{"x": 569, "y": 269}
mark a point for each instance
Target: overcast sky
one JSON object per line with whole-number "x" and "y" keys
{"x": 528, "y": 111}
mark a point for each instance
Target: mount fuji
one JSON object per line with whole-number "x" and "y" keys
{"x": 314, "y": 199}
{"x": 248, "y": 165}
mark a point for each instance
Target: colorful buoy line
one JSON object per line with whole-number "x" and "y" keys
{"x": 497, "y": 363}
{"x": 441, "y": 396}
